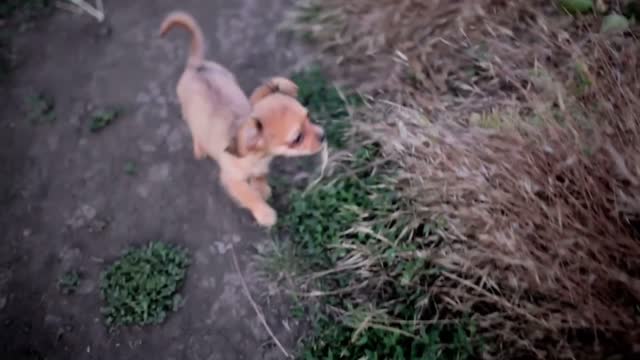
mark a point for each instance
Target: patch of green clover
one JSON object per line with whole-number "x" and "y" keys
{"x": 143, "y": 286}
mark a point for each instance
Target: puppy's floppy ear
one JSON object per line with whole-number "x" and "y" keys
{"x": 274, "y": 85}
{"x": 248, "y": 139}
{"x": 284, "y": 86}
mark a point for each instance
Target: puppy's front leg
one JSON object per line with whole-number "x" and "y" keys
{"x": 248, "y": 197}
{"x": 261, "y": 184}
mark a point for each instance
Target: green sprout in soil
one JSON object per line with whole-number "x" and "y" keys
{"x": 143, "y": 286}
{"x": 68, "y": 282}
{"x": 130, "y": 168}
{"x": 41, "y": 109}
{"x": 103, "y": 118}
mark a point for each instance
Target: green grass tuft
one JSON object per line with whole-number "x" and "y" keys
{"x": 336, "y": 341}
{"x": 143, "y": 286}
{"x": 356, "y": 215}
{"x": 319, "y": 222}
{"x": 317, "y": 219}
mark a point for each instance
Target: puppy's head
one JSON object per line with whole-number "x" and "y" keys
{"x": 279, "y": 126}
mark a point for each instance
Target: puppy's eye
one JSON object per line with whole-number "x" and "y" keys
{"x": 297, "y": 140}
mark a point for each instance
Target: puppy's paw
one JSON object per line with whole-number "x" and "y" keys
{"x": 199, "y": 155}
{"x": 265, "y": 215}
{"x": 265, "y": 191}
{"x": 263, "y": 188}
{"x": 198, "y": 152}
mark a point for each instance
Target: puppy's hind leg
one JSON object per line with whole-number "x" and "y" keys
{"x": 249, "y": 198}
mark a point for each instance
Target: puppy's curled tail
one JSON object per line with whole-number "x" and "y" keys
{"x": 181, "y": 18}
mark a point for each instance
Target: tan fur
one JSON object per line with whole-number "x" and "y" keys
{"x": 243, "y": 135}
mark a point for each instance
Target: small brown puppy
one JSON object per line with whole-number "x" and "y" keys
{"x": 243, "y": 135}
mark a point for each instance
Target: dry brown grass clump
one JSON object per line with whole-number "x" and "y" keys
{"x": 540, "y": 243}
{"x": 531, "y": 153}
{"x": 447, "y": 57}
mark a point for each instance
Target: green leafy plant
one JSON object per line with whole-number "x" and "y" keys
{"x": 576, "y": 6}
{"x": 142, "y": 287}
{"x": 103, "y": 118}
{"x": 68, "y": 282}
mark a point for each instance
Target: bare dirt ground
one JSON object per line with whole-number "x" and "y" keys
{"x": 67, "y": 202}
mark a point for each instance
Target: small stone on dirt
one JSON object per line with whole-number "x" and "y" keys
{"x": 159, "y": 172}
{"x": 82, "y": 216}
{"x": 146, "y": 147}
{"x": 163, "y": 131}
{"x": 143, "y": 191}
{"x": 86, "y": 287}
{"x": 98, "y": 225}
